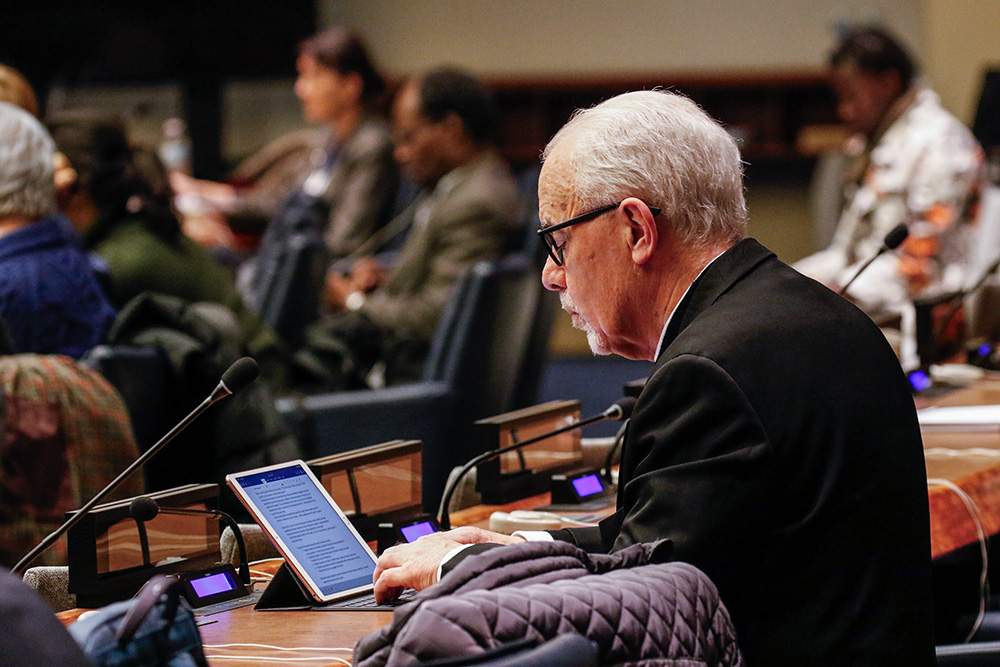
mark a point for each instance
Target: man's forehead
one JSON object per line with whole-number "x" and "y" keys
{"x": 555, "y": 190}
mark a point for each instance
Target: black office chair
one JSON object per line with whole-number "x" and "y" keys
{"x": 283, "y": 281}
{"x": 288, "y": 302}
{"x": 475, "y": 369}
{"x": 140, "y": 374}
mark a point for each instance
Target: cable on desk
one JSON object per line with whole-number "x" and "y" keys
{"x": 264, "y": 658}
{"x": 977, "y": 519}
{"x": 278, "y": 648}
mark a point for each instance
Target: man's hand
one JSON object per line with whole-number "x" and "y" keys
{"x": 415, "y": 565}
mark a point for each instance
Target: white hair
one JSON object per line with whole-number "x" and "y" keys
{"x": 662, "y": 148}
{"x": 27, "y": 185}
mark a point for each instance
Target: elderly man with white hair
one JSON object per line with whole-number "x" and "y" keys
{"x": 775, "y": 443}
{"x": 50, "y": 299}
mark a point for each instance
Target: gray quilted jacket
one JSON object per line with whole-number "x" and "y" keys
{"x": 639, "y": 608}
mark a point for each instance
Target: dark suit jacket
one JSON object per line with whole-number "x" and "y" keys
{"x": 776, "y": 443}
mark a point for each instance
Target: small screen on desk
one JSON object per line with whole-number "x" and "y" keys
{"x": 213, "y": 584}
{"x": 588, "y": 485}
{"x": 919, "y": 380}
{"x": 411, "y": 533}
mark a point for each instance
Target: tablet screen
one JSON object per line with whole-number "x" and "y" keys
{"x": 316, "y": 536}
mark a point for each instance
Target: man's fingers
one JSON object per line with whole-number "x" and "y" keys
{"x": 389, "y": 584}
{"x": 390, "y": 558}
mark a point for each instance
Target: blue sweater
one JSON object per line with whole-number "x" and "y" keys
{"x": 50, "y": 299}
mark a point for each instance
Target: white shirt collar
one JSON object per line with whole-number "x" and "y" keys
{"x": 663, "y": 332}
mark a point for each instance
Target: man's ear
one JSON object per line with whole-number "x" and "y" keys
{"x": 643, "y": 234}
{"x": 891, "y": 83}
{"x": 66, "y": 178}
{"x": 453, "y": 124}
{"x": 357, "y": 85}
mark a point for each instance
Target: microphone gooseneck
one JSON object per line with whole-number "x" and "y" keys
{"x": 892, "y": 240}
{"x": 145, "y": 509}
{"x": 240, "y": 374}
{"x": 619, "y": 410}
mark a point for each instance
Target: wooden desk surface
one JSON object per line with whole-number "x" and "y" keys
{"x": 969, "y": 459}
{"x": 326, "y": 630}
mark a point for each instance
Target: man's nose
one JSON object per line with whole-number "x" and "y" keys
{"x": 553, "y": 276}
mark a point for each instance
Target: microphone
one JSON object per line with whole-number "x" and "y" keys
{"x": 237, "y": 377}
{"x": 619, "y": 410}
{"x": 892, "y": 240}
{"x": 144, "y": 508}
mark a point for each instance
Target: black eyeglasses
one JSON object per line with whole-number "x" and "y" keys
{"x": 556, "y": 250}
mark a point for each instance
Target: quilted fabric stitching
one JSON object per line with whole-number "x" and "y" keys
{"x": 661, "y": 614}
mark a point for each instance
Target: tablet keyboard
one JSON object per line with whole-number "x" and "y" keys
{"x": 366, "y": 602}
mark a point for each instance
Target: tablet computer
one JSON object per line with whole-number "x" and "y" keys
{"x": 307, "y": 527}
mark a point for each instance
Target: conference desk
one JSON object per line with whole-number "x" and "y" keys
{"x": 969, "y": 458}
{"x": 952, "y": 527}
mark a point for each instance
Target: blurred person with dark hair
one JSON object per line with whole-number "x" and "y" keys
{"x": 467, "y": 205}
{"x": 50, "y": 299}
{"x": 118, "y": 199}
{"x": 347, "y": 161}
{"x": 911, "y": 162}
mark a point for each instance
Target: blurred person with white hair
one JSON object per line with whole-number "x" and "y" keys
{"x": 50, "y": 298}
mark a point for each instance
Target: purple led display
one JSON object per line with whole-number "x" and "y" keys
{"x": 411, "y": 533}
{"x": 588, "y": 485}
{"x": 212, "y": 585}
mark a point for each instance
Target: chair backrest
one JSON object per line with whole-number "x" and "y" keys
{"x": 984, "y": 321}
{"x": 284, "y": 280}
{"x": 493, "y": 334}
{"x": 52, "y": 584}
{"x": 441, "y": 357}
{"x": 139, "y": 373}
{"x": 536, "y": 355}
{"x": 289, "y": 301}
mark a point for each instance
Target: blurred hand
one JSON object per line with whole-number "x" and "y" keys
{"x": 415, "y": 565}
{"x": 336, "y": 290}
{"x": 209, "y": 230}
{"x": 216, "y": 196}
{"x": 367, "y": 274}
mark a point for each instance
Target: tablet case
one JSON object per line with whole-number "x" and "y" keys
{"x": 285, "y": 593}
